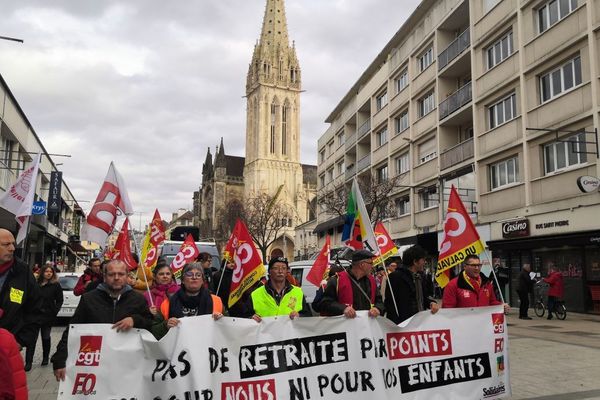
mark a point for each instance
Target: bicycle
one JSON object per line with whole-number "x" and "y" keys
{"x": 560, "y": 310}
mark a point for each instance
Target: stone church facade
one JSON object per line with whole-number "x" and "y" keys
{"x": 272, "y": 162}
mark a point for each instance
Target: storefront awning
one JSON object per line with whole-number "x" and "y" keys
{"x": 78, "y": 249}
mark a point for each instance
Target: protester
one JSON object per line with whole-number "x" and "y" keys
{"x": 91, "y": 276}
{"x": 407, "y": 291}
{"x": 205, "y": 259}
{"x": 470, "y": 288}
{"x": 353, "y": 290}
{"x": 192, "y": 299}
{"x": 13, "y": 381}
{"x": 392, "y": 264}
{"x": 163, "y": 285}
{"x": 318, "y": 299}
{"x": 278, "y": 296}
{"x": 113, "y": 301}
{"x": 52, "y": 299}
{"x": 20, "y": 299}
{"x": 524, "y": 289}
{"x": 556, "y": 290}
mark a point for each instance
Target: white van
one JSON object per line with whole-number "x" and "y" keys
{"x": 170, "y": 248}
{"x": 299, "y": 270}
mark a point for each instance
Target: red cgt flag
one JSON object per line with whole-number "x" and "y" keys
{"x": 387, "y": 247}
{"x": 460, "y": 238}
{"x": 319, "y": 268}
{"x": 122, "y": 249}
{"x": 249, "y": 268}
{"x": 188, "y": 252}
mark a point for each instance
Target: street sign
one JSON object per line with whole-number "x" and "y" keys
{"x": 588, "y": 184}
{"x": 54, "y": 200}
{"x": 38, "y": 208}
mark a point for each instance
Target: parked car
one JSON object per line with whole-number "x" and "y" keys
{"x": 67, "y": 281}
{"x": 170, "y": 248}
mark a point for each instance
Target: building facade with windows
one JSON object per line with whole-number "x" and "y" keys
{"x": 499, "y": 98}
{"x": 53, "y": 236}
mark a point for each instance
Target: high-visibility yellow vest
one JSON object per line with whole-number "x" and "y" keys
{"x": 265, "y": 306}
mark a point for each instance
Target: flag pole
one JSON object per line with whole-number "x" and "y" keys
{"x": 223, "y": 264}
{"x": 495, "y": 278}
{"x": 141, "y": 266}
{"x": 387, "y": 276}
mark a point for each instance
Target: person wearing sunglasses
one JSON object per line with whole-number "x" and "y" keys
{"x": 192, "y": 299}
{"x": 471, "y": 288}
{"x": 278, "y": 296}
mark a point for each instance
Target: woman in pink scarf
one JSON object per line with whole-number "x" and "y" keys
{"x": 164, "y": 285}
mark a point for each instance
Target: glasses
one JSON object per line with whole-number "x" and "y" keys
{"x": 281, "y": 268}
{"x": 474, "y": 265}
{"x": 193, "y": 275}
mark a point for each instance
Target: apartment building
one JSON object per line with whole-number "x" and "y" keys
{"x": 499, "y": 98}
{"x": 53, "y": 236}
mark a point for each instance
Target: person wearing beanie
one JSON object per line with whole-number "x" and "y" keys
{"x": 192, "y": 299}
{"x": 353, "y": 290}
{"x": 278, "y": 296}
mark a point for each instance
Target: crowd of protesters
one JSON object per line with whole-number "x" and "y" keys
{"x": 157, "y": 301}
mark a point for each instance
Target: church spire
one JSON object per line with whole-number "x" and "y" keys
{"x": 220, "y": 157}
{"x": 274, "y": 61}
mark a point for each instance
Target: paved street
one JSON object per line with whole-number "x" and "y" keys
{"x": 549, "y": 360}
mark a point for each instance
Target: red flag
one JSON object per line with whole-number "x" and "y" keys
{"x": 460, "y": 238}
{"x": 188, "y": 252}
{"x": 122, "y": 249}
{"x": 154, "y": 237}
{"x": 103, "y": 215}
{"x": 319, "y": 268}
{"x": 387, "y": 247}
{"x": 249, "y": 268}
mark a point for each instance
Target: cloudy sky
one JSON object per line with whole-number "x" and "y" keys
{"x": 151, "y": 84}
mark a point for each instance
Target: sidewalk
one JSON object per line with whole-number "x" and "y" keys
{"x": 549, "y": 360}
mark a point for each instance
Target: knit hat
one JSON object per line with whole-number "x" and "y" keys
{"x": 273, "y": 260}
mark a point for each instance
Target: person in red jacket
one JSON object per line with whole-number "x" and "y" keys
{"x": 470, "y": 288}
{"x": 556, "y": 290}
{"x": 92, "y": 275}
{"x": 13, "y": 381}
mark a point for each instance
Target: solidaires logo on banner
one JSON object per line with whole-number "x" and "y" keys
{"x": 456, "y": 353}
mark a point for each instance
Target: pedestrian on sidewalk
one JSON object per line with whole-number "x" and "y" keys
{"x": 52, "y": 299}
{"x": 91, "y": 277}
{"x": 524, "y": 289}
{"x": 556, "y": 290}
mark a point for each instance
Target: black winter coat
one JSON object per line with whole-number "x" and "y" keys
{"x": 525, "y": 282}
{"x": 20, "y": 301}
{"x": 52, "y": 299}
{"x": 402, "y": 284}
{"x": 98, "y": 307}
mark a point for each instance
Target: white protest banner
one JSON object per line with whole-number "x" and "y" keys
{"x": 456, "y": 353}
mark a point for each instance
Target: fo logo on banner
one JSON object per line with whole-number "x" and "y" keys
{"x": 89, "y": 351}
{"x": 498, "y": 322}
{"x": 84, "y": 384}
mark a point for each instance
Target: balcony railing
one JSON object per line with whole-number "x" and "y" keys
{"x": 350, "y": 171}
{"x": 363, "y": 163}
{"x": 460, "y": 44}
{"x": 457, "y": 154}
{"x": 455, "y": 101}
{"x": 350, "y": 141}
{"x": 364, "y": 129}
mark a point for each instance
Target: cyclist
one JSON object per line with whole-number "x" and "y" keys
{"x": 556, "y": 290}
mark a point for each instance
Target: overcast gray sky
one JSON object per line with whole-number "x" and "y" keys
{"x": 152, "y": 84}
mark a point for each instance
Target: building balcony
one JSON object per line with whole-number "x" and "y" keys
{"x": 454, "y": 49}
{"x": 455, "y": 101}
{"x": 350, "y": 141}
{"x": 457, "y": 154}
{"x": 363, "y": 163}
{"x": 364, "y": 129}
{"x": 350, "y": 172}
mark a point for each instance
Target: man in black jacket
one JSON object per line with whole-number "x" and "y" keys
{"x": 406, "y": 291}
{"x": 20, "y": 301}
{"x": 111, "y": 302}
{"x": 525, "y": 287}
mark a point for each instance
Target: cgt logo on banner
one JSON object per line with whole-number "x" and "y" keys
{"x": 452, "y": 354}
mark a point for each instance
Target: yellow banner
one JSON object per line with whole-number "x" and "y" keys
{"x": 249, "y": 280}
{"x": 454, "y": 259}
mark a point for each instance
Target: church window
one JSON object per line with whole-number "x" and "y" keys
{"x": 273, "y": 108}
{"x": 284, "y": 123}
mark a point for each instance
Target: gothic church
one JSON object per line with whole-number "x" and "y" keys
{"x": 272, "y": 163}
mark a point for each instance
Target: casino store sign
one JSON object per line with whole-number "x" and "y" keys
{"x": 515, "y": 228}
